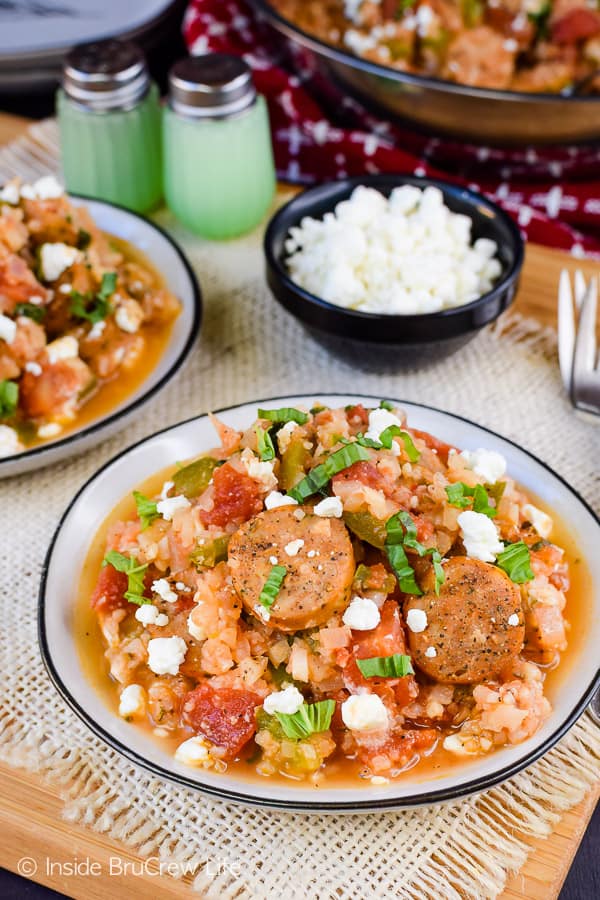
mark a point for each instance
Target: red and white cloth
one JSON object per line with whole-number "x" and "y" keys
{"x": 553, "y": 193}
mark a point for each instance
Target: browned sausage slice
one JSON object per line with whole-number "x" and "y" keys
{"x": 469, "y": 625}
{"x": 319, "y": 575}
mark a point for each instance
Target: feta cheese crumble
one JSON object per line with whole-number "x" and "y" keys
{"x": 329, "y": 508}
{"x": 284, "y": 436}
{"x": 294, "y": 547}
{"x": 10, "y": 193}
{"x": 403, "y": 255}
{"x": 8, "y": 329}
{"x": 132, "y": 701}
{"x": 148, "y": 614}
{"x": 379, "y": 420}
{"x": 431, "y": 653}
{"x": 259, "y": 471}
{"x": 488, "y": 464}
{"x": 45, "y": 188}
{"x": 170, "y": 505}
{"x": 276, "y": 499}
{"x": 513, "y": 620}
{"x": 56, "y": 258}
{"x": 162, "y": 587}
{"x": 364, "y": 712}
{"x": 192, "y": 752}
{"x": 33, "y": 368}
{"x": 416, "y": 619}
{"x": 362, "y": 614}
{"x": 165, "y": 655}
{"x": 287, "y": 701}
{"x": 51, "y": 429}
{"x": 480, "y": 536}
{"x": 540, "y": 520}
{"x": 9, "y": 441}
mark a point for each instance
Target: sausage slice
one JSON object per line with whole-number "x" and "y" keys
{"x": 468, "y": 623}
{"x": 319, "y": 575}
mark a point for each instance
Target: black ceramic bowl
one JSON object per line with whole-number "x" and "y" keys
{"x": 410, "y": 338}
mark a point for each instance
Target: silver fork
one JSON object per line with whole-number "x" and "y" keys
{"x": 577, "y": 346}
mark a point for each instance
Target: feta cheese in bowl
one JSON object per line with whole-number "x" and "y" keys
{"x": 403, "y": 254}
{"x": 393, "y": 262}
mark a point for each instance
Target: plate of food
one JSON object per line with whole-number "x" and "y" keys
{"x": 98, "y": 311}
{"x": 503, "y": 72}
{"x": 325, "y": 603}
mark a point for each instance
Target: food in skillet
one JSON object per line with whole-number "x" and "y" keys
{"x": 78, "y": 313}
{"x": 520, "y": 45}
{"x": 333, "y": 589}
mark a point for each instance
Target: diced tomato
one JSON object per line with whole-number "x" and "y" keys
{"x": 434, "y": 443}
{"x": 549, "y": 561}
{"x": 110, "y": 590}
{"x": 357, "y": 415}
{"x": 236, "y": 497}
{"x": 59, "y": 383}
{"x": 224, "y": 716}
{"x": 577, "y": 25}
{"x": 365, "y": 472}
{"x": 17, "y": 283}
{"x": 425, "y": 527}
{"x": 384, "y": 640}
{"x": 398, "y": 749}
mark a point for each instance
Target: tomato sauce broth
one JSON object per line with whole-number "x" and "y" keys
{"x": 339, "y": 771}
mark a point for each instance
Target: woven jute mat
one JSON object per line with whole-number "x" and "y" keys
{"x": 507, "y": 379}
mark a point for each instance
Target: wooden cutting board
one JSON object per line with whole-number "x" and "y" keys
{"x": 31, "y": 824}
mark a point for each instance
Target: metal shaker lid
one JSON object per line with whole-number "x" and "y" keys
{"x": 106, "y": 75}
{"x": 213, "y": 85}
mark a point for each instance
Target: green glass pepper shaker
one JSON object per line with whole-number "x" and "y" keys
{"x": 110, "y": 125}
{"x": 218, "y": 161}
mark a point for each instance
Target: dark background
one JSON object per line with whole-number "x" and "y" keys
{"x": 583, "y": 881}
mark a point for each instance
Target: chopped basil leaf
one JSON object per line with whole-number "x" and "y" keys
{"x": 515, "y": 560}
{"x": 317, "y": 409}
{"x": 458, "y": 495}
{"x": 286, "y": 414}
{"x": 272, "y": 586}
{"x": 388, "y": 434}
{"x": 84, "y": 239}
{"x": 481, "y": 502}
{"x": 94, "y": 307}
{"x": 311, "y": 718}
{"x": 135, "y": 575}
{"x": 37, "y": 313}
{"x": 9, "y": 398}
{"x": 365, "y": 442}
{"x": 108, "y": 285}
{"x": 396, "y": 666}
{"x": 540, "y": 20}
{"x": 146, "y": 509}
{"x": 318, "y": 477}
{"x": 461, "y": 496}
{"x": 402, "y": 532}
{"x": 266, "y": 450}
{"x": 385, "y": 404}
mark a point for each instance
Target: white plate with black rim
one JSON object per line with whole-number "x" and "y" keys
{"x": 96, "y": 499}
{"x": 171, "y": 263}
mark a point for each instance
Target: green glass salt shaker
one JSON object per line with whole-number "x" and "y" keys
{"x": 110, "y": 125}
{"x": 219, "y": 174}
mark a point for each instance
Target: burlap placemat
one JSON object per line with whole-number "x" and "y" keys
{"x": 507, "y": 379}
